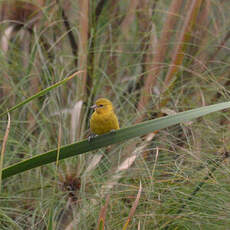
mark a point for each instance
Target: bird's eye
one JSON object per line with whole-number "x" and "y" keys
{"x": 101, "y": 105}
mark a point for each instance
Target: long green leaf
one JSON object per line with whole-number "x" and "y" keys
{"x": 111, "y": 138}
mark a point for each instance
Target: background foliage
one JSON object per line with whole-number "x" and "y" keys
{"x": 151, "y": 58}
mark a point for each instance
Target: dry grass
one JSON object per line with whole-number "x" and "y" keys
{"x": 150, "y": 58}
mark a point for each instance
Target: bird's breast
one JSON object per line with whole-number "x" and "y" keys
{"x": 103, "y": 123}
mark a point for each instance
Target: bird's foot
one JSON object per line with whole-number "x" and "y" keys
{"x": 112, "y": 131}
{"x": 91, "y": 136}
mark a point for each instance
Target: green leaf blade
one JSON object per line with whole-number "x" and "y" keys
{"x": 111, "y": 138}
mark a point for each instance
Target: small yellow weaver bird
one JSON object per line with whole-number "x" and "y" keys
{"x": 103, "y": 120}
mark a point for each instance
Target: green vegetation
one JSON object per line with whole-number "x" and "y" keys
{"x": 161, "y": 63}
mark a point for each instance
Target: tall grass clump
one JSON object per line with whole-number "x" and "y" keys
{"x": 162, "y": 64}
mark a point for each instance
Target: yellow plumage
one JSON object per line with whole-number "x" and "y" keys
{"x": 103, "y": 120}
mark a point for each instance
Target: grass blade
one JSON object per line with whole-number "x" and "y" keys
{"x": 3, "y": 149}
{"x": 41, "y": 93}
{"x": 133, "y": 209}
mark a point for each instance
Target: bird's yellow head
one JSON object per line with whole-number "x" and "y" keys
{"x": 103, "y": 105}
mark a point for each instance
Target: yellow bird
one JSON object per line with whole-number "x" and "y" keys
{"x": 103, "y": 120}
